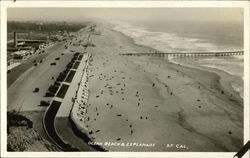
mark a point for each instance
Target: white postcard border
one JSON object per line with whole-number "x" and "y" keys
{"x": 118, "y": 4}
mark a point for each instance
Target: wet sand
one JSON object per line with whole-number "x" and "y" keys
{"x": 150, "y": 104}
{"x": 226, "y": 80}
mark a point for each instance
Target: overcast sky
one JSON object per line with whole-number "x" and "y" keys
{"x": 142, "y": 14}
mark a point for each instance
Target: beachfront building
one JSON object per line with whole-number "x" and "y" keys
{"x": 10, "y": 59}
{"x": 22, "y": 54}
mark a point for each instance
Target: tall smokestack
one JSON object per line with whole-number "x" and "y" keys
{"x": 15, "y": 39}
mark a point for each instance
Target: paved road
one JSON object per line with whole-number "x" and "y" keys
{"x": 27, "y": 64}
{"x": 49, "y": 127}
{"x": 26, "y": 78}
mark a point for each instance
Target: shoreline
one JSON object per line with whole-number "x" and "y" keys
{"x": 133, "y": 98}
{"x": 216, "y": 71}
{"x": 223, "y": 75}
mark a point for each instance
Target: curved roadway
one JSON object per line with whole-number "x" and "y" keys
{"x": 48, "y": 124}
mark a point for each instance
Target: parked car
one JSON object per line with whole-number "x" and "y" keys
{"x": 44, "y": 103}
{"x": 49, "y": 94}
{"x": 53, "y": 88}
{"x": 36, "y": 90}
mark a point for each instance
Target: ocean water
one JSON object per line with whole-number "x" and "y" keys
{"x": 179, "y": 36}
{"x": 232, "y": 65}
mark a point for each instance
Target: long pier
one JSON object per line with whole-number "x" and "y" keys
{"x": 187, "y": 54}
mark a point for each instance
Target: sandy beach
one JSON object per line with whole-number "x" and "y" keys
{"x": 150, "y": 104}
{"x": 134, "y": 103}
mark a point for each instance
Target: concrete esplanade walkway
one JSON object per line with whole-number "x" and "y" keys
{"x": 61, "y": 107}
{"x": 79, "y": 108}
{"x": 67, "y": 101}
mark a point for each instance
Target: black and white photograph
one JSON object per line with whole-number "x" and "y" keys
{"x": 127, "y": 79}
